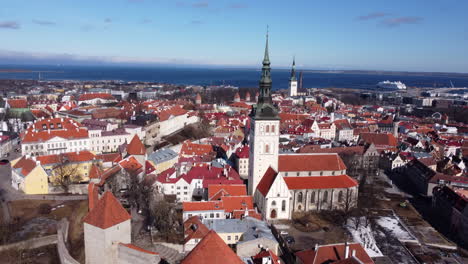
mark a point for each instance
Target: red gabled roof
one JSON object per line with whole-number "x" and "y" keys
{"x": 26, "y": 165}
{"x": 131, "y": 165}
{"x": 94, "y": 172}
{"x": 310, "y": 162}
{"x": 226, "y": 189}
{"x": 135, "y": 147}
{"x": 320, "y": 182}
{"x": 212, "y": 249}
{"x": 232, "y": 203}
{"x": 54, "y": 127}
{"x": 107, "y": 212}
{"x": 194, "y": 229}
{"x": 17, "y": 103}
{"x": 267, "y": 180}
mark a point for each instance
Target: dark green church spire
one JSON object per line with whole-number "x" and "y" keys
{"x": 265, "y": 81}
{"x": 264, "y": 109}
{"x": 293, "y": 70}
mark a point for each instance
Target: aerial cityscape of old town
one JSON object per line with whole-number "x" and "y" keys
{"x": 123, "y": 171}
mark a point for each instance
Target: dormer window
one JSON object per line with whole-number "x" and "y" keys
{"x": 59, "y": 125}
{"x": 51, "y": 126}
{"x": 44, "y": 126}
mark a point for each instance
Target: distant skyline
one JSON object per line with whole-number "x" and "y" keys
{"x": 400, "y": 35}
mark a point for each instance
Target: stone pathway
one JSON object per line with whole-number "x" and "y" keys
{"x": 172, "y": 256}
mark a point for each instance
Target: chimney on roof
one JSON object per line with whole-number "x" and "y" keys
{"x": 316, "y": 247}
{"x": 38, "y": 163}
{"x": 353, "y": 253}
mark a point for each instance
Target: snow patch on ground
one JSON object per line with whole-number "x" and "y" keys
{"x": 363, "y": 234}
{"x": 392, "y": 225}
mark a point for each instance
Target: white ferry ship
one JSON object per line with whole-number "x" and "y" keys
{"x": 391, "y": 85}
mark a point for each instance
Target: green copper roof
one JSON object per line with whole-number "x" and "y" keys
{"x": 293, "y": 70}
{"x": 265, "y": 108}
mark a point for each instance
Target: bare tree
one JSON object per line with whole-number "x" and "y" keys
{"x": 65, "y": 173}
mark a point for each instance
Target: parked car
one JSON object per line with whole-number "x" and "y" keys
{"x": 283, "y": 233}
{"x": 4, "y": 162}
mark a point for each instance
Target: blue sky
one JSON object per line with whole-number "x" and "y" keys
{"x": 412, "y": 35}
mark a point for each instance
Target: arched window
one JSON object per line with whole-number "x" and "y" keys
{"x": 340, "y": 197}
{"x": 283, "y": 205}
{"x": 299, "y": 197}
{"x": 273, "y": 203}
{"x": 325, "y": 196}
{"x": 272, "y": 128}
{"x": 312, "y": 197}
{"x": 267, "y": 129}
{"x": 267, "y": 148}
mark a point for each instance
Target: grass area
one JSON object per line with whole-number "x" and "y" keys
{"x": 25, "y": 210}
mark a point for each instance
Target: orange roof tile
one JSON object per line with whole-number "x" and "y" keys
{"x": 107, "y": 212}
{"x": 231, "y": 203}
{"x": 334, "y": 252}
{"x": 310, "y": 162}
{"x": 135, "y": 147}
{"x": 212, "y": 249}
{"x": 320, "y": 182}
{"x": 229, "y": 189}
{"x": 202, "y": 206}
{"x": 80, "y": 156}
{"x": 49, "y": 128}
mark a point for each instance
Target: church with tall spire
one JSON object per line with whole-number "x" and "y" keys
{"x": 293, "y": 81}
{"x": 282, "y": 184}
{"x": 264, "y": 128}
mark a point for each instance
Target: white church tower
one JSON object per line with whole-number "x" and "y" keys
{"x": 293, "y": 80}
{"x": 264, "y": 130}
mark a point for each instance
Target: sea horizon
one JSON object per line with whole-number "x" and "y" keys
{"x": 235, "y": 76}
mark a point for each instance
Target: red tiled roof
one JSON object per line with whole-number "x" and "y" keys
{"x": 94, "y": 172}
{"x": 107, "y": 212}
{"x": 258, "y": 259}
{"x": 267, "y": 180}
{"x": 232, "y": 203}
{"x": 173, "y": 111}
{"x": 49, "y": 128}
{"x": 320, "y": 182}
{"x": 310, "y": 162}
{"x": 131, "y": 246}
{"x": 202, "y": 206}
{"x": 240, "y": 105}
{"x": 17, "y": 103}
{"x": 194, "y": 229}
{"x": 243, "y": 152}
{"x": 90, "y": 96}
{"x": 131, "y": 165}
{"x": 192, "y": 149}
{"x": 26, "y": 165}
{"x": 226, "y": 189}
{"x": 80, "y": 156}
{"x": 379, "y": 139}
{"x": 329, "y": 253}
{"x": 135, "y": 147}
{"x": 212, "y": 249}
